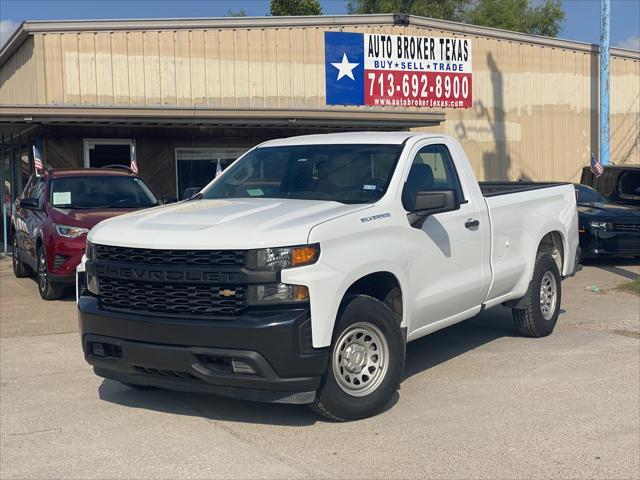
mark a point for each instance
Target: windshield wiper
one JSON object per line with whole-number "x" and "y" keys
{"x": 72, "y": 207}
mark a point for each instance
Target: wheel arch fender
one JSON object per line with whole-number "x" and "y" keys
{"x": 555, "y": 235}
{"x": 329, "y": 289}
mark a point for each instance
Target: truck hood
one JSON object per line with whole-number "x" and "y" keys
{"x": 220, "y": 224}
{"x": 610, "y": 210}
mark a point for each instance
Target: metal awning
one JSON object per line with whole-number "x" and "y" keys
{"x": 352, "y": 118}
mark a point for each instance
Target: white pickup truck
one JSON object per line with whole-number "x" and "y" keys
{"x": 300, "y": 273}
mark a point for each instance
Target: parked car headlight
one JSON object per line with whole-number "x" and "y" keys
{"x": 284, "y": 257}
{"x": 71, "y": 232}
{"x": 598, "y": 225}
{"x": 277, "y": 293}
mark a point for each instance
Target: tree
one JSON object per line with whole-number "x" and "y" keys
{"x": 295, "y": 7}
{"x": 440, "y": 9}
{"x": 519, "y": 15}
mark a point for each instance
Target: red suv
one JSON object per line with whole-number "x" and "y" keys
{"x": 55, "y": 212}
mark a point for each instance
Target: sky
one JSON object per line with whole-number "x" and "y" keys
{"x": 582, "y": 20}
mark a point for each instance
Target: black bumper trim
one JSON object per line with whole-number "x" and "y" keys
{"x": 250, "y": 394}
{"x": 270, "y": 342}
{"x": 137, "y": 362}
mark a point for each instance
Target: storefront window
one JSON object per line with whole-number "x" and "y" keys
{"x": 102, "y": 152}
{"x": 196, "y": 167}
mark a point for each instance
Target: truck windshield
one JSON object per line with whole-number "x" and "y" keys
{"x": 346, "y": 173}
{"x": 101, "y": 192}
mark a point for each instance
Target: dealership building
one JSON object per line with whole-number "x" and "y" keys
{"x": 179, "y": 96}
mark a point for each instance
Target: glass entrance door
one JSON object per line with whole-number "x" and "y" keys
{"x": 196, "y": 167}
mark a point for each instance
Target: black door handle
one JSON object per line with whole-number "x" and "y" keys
{"x": 472, "y": 223}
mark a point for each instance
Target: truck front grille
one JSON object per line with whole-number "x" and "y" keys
{"x": 194, "y": 300}
{"x": 627, "y": 227}
{"x": 144, "y": 256}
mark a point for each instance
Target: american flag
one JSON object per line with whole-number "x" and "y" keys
{"x": 134, "y": 163}
{"x": 596, "y": 166}
{"x": 218, "y": 169}
{"x": 37, "y": 160}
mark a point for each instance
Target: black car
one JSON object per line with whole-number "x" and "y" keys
{"x": 606, "y": 229}
{"x": 618, "y": 184}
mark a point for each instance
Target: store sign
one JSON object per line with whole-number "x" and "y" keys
{"x": 397, "y": 70}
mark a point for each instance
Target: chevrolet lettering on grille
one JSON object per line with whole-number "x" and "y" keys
{"x": 164, "y": 274}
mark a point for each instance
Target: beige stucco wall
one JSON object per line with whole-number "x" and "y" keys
{"x": 534, "y": 114}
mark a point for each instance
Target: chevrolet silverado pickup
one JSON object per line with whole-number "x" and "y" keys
{"x": 301, "y": 272}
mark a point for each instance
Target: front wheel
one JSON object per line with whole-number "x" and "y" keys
{"x": 367, "y": 359}
{"x": 48, "y": 290}
{"x": 539, "y": 316}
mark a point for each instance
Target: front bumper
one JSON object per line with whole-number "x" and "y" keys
{"x": 63, "y": 257}
{"x": 199, "y": 355}
{"x": 596, "y": 244}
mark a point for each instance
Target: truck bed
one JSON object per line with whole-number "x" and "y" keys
{"x": 493, "y": 189}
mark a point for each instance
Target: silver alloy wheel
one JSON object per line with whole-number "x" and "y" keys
{"x": 548, "y": 295}
{"x": 42, "y": 272}
{"x": 360, "y": 359}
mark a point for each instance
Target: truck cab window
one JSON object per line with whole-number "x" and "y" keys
{"x": 432, "y": 169}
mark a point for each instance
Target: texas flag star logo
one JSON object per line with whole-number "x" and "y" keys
{"x": 345, "y": 68}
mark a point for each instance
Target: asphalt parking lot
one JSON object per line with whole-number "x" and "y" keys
{"x": 477, "y": 402}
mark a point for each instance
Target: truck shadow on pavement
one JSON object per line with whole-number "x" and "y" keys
{"x": 422, "y": 354}
{"x": 443, "y": 345}
{"x": 615, "y": 266}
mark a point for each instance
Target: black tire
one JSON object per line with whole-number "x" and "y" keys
{"x": 332, "y": 401}
{"x": 535, "y": 319}
{"x": 20, "y": 269}
{"x": 48, "y": 290}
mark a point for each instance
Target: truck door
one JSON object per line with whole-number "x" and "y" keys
{"x": 446, "y": 254}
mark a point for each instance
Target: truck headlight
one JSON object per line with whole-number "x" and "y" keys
{"x": 284, "y": 257}
{"x": 71, "y": 232}
{"x": 597, "y": 225}
{"x": 277, "y": 293}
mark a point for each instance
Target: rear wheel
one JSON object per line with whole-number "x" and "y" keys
{"x": 539, "y": 316}
{"x": 20, "y": 269}
{"x": 48, "y": 290}
{"x": 366, "y": 363}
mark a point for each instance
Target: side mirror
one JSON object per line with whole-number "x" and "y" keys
{"x": 30, "y": 203}
{"x": 432, "y": 202}
{"x": 168, "y": 199}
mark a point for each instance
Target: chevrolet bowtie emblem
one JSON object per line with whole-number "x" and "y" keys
{"x": 225, "y": 292}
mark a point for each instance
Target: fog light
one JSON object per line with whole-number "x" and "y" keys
{"x": 242, "y": 367}
{"x": 98, "y": 350}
